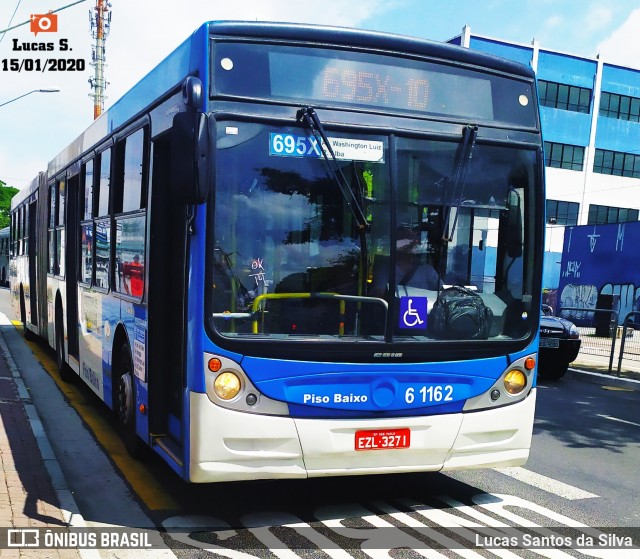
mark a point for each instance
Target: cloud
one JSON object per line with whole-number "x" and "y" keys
{"x": 598, "y": 17}
{"x": 622, "y": 46}
{"x": 553, "y": 22}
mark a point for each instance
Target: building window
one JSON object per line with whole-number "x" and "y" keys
{"x": 563, "y": 156}
{"x": 600, "y": 215}
{"x": 621, "y": 107}
{"x": 562, "y": 213}
{"x": 616, "y": 163}
{"x": 565, "y": 97}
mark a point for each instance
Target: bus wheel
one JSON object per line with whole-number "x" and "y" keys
{"x": 28, "y": 334}
{"x": 65, "y": 372}
{"x": 125, "y": 405}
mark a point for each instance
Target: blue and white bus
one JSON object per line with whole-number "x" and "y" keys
{"x": 295, "y": 251}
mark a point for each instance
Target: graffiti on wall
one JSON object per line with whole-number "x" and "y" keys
{"x": 626, "y": 300}
{"x": 597, "y": 261}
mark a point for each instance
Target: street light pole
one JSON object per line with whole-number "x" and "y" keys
{"x": 29, "y": 93}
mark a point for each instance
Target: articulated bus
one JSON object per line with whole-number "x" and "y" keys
{"x": 295, "y": 251}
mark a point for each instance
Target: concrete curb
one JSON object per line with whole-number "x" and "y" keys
{"x": 603, "y": 379}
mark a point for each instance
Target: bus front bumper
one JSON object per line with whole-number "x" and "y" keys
{"x": 228, "y": 445}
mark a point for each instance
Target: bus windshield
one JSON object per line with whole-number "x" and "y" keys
{"x": 291, "y": 261}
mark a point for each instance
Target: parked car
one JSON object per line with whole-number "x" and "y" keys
{"x": 559, "y": 345}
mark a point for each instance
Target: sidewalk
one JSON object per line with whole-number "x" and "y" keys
{"x": 33, "y": 491}
{"x": 595, "y": 368}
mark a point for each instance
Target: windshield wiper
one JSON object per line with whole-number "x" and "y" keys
{"x": 309, "y": 118}
{"x": 469, "y": 135}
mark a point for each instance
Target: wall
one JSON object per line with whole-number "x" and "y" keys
{"x": 601, "y": 259}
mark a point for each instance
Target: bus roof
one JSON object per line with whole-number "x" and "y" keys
{"x": 375, "y": 40}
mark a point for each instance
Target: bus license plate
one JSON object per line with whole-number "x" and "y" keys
{"x": 383, "y": 439}
{"x": 549, "y": 342}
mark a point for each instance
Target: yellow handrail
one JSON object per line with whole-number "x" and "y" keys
{"x": 320, "y": 295}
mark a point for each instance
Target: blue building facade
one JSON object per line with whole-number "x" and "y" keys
{"x": 600, "y": 270}
{"x": 590, "y": 112}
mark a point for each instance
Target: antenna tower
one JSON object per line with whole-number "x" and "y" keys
{"x": 100, "y": 20}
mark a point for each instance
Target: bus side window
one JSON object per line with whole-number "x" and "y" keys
{"x": 87, "y": 229}
{"x": 102, "y": 260}
{"x": 129, "y": 204}
{"x": 51, "y": 229}
{"x": 61, "y": 187}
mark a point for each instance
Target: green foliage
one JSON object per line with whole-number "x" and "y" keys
{"x": 6, "y": 193}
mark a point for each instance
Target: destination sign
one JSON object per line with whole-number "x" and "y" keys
{"x": 326, "y": 77}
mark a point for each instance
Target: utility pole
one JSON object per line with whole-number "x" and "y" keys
{"x": 100, "y": 19}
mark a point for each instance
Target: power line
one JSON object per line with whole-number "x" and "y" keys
{"x": 11, "y": 20}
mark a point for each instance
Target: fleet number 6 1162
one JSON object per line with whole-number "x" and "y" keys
{"x": 428, "y": 394}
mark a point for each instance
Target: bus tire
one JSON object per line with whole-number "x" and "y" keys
{"x": 124, "y": 405}
{"x": 65, "y": 372}
{"x": 28, "y": 334}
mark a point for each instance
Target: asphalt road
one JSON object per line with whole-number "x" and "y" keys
{"x": 581, "y": 480}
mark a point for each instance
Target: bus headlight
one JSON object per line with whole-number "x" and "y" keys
{"x": 227, "y": 385}
{"x": 514, "y": 385}
{"x": 515, "y": 381}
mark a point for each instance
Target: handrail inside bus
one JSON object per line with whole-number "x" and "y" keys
{"x": 305, "y": 295}
{"x": 317, "y": 295}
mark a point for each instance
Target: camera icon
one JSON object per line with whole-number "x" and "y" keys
{"x": 44, "y": 23}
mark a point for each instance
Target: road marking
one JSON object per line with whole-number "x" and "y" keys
{"x": 491, "y": 525}
{"x": 618, "y": 420}
{"x": 547, "y": 484}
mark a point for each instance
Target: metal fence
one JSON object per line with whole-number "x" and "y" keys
{"x": 603, "y": 334}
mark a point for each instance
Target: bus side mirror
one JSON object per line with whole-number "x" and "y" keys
{"x": 190, "y": 155}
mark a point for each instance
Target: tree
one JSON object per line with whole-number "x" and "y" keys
{"x": 6, "y": 193}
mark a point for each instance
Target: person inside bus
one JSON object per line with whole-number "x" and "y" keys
{"x": 412, "y": 268}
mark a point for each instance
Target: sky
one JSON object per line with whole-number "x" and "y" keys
{"x": 35, "y": 128}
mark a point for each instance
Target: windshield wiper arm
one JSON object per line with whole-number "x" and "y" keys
{"x": 308, "y": 117}
{"x": 469, "y": 135}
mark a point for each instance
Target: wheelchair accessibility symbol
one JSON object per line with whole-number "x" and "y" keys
{"x": 413, "y": 313}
